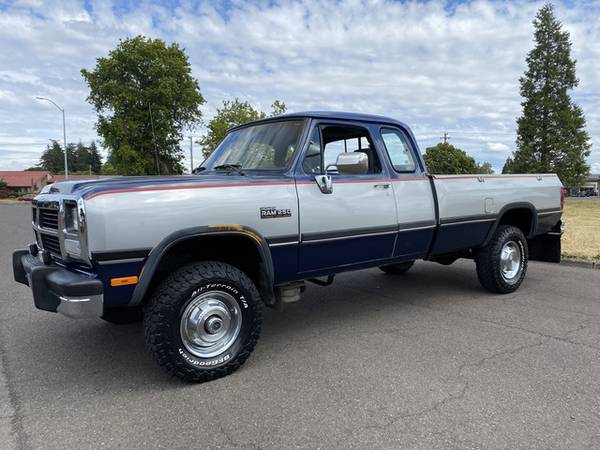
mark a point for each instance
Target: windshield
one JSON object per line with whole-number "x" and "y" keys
{"x": 269, "y": 146}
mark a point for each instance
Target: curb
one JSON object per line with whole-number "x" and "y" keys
{"x": 580, "y": 263}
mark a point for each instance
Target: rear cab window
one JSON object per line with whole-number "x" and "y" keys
{"x": 398, "y": 149}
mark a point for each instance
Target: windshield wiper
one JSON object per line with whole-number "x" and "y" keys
{"x": 230, "y": 167}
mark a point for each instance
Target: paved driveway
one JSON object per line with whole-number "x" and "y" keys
{"x": 426, "y": 360}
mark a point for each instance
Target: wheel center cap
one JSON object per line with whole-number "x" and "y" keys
{"x": 213, "y": 324}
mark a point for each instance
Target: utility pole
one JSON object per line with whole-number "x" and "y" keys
{"x": 445, "y": 137}
{"x": 64, "y": 132}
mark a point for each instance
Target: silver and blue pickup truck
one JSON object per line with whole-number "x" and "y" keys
{"x": 281, "y": 202}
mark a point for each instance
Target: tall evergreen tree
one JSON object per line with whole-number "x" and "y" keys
{"x": 52, "y": 159}
{"x": 95, "y": 158}
{"x": 551, "y": 135}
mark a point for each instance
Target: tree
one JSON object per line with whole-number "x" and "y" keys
{"x": 231, "y": 114}
{"x": 447, "y": 159}
{"x": 551, "y": 134}
{"x": 95, "y": 158}
{"x": 81, "y": 158}
{"x": 53, "y": 158}
{"x": 3, "y": 184}
{"x": 278, "y": 108}
{"x": 145, "y": 96}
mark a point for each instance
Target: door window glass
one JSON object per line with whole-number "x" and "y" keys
{"x": 338, "y": 139}
{"x": 399, "y": 150}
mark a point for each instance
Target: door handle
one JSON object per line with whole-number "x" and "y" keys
{"x": 382, "y": 186}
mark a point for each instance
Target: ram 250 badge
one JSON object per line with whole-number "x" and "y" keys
{"x": 281, "y": 202}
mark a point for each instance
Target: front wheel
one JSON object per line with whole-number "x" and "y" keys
{"x": 203, "y": 321}
{"x": 502, "y": 264}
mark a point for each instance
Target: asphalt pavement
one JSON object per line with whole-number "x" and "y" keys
{"x": 425, "y": 360}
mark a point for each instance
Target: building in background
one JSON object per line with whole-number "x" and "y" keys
{"x": 19, "y": 182}
{"x": 591, "y": 186}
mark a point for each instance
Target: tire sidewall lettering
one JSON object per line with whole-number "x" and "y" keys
{"x": 231, "y": 352}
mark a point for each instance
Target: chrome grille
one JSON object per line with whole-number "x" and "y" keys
{"x": 48, "y": 218}
{"x": 50, "y": 243}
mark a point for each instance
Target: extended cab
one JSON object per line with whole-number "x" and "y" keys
{"x": 282, "y": 201}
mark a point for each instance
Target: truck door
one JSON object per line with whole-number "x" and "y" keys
{"x": 354, "y": 224}
{"x": 413, "y": 192}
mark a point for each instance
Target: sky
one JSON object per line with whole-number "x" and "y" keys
{"x": 437, "y": 66}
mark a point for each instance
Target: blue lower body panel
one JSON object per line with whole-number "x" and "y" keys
{"x": 115, "y": 296}
{"x": 460, "y": 236}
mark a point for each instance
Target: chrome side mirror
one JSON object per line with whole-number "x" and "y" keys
{"x": 325, "y": 183}
{"x": 352, "y": 163}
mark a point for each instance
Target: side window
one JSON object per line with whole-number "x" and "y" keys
{"x": 399, "y": 150}
{"x": 338, "y": 139}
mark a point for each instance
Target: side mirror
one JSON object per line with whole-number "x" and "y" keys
{"x": 352, "y": 163}
{"x": 325, "y": 183}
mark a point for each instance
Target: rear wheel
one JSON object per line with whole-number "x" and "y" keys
{"x": 502, "y": 264}
{"x": 203, "y": 321}
{"x": 397, "y": 269}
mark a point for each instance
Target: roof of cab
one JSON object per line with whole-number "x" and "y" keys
{"x": 338, "y": 115}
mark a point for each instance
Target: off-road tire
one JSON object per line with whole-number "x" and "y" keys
{"x": 488, "y": 261}
{"x": 397, "y": 269}
{"x": 123, "y": 316}
{"x": 163, "y": 313}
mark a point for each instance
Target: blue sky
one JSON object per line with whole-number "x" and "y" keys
{"x": 438, "y": 66}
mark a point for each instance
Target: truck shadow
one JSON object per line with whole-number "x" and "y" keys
{"x": 97, "y": 355}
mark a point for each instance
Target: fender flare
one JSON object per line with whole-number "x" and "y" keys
{"x": 158, "y": 252}
{"x": 508, "y": 207}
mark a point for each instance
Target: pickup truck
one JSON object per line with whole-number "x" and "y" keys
{"x": 281, "y": 202}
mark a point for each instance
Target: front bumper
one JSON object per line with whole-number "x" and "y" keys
{"x": 57, "y": 289}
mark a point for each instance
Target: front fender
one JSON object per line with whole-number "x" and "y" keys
{"x": 158, "y": 252}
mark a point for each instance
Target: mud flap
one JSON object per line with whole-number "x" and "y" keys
{"x": 546, "y": 247}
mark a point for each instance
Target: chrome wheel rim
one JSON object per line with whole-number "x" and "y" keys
{"x": 210, "y": 324}
{"x": 510, "y": 260}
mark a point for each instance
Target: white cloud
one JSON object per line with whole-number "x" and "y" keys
{"x": 437, "y": 67}
{"x": 595, "y": 168}
{"x": 498, "y": 147}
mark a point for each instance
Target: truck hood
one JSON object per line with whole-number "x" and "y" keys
{"x": 93, "y": 188}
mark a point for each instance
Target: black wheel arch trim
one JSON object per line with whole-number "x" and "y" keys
{"x": 512, "y": 206}
{"x": 158, "y": 252}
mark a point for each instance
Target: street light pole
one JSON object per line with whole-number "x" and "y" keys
{"x": 191, "y": 157}
{"x": 62, "y": 110}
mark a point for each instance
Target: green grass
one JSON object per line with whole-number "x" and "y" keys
{"x": 582, "y": 228}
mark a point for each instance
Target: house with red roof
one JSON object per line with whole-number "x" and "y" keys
{"x": 21, "y": 182}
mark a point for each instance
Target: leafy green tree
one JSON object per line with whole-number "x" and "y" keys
{"x": 145, "y": 96}
{"x": 445, "y": 158}
{"x": 485, "y": 168}
{"x": 231, "y": 114}
{"x": 3, "y": 184}
{"x": 278, "y": 108}
{"x": 551, "y": 135}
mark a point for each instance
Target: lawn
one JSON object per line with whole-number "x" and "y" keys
{"x": 582, "y": 228}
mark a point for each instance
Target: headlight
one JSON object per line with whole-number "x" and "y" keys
{"x": 71, "y": 218}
